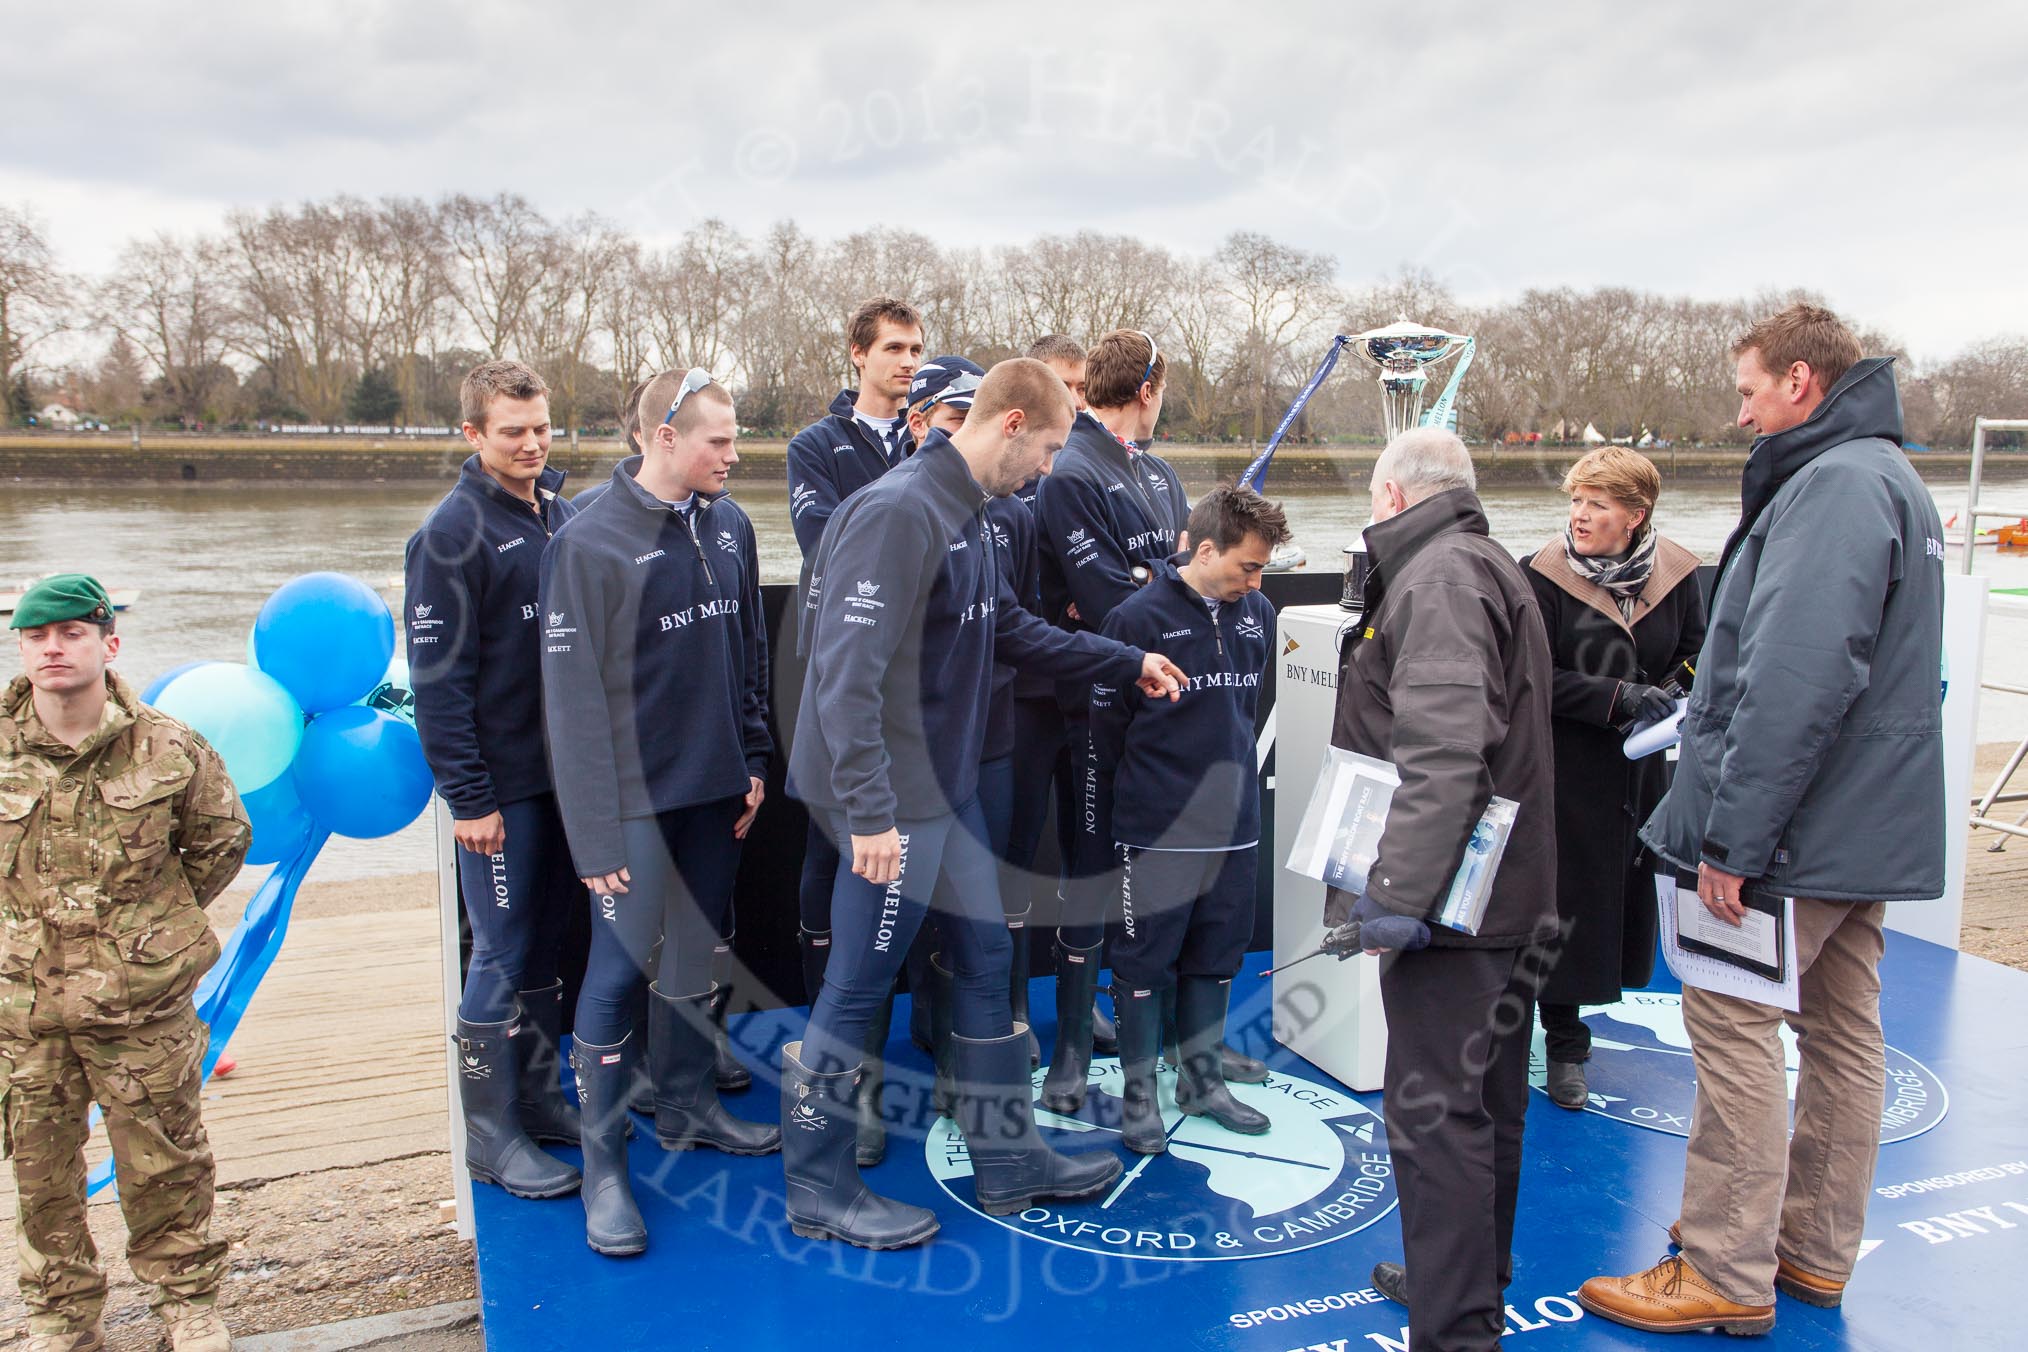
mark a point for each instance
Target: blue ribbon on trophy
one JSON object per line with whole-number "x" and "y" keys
{"x": 1256, "y": 473}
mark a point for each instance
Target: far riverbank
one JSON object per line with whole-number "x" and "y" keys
{"x": 170, "y": 459}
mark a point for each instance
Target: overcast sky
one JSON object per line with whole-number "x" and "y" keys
{"x": 1872, "y": 151}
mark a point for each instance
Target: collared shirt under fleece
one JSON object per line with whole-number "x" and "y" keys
{"x": 828, "y": 461}
{"x": 902, "y": 621}
{"x": 1182, "y": 775}
{"x": 654, "y": 663}
{"x": 472, "y": 577}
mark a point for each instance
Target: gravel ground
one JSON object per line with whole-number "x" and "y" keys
{"x": 309, "y": 1249}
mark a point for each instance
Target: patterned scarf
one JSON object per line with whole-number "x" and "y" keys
{"x": 1621, "y": 575}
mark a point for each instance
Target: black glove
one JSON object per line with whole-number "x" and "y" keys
{"x": 1369, "y": 925}
{"x": 1642, "y": 703}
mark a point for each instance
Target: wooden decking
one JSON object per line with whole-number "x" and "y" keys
{"x": 341, "y": 1054}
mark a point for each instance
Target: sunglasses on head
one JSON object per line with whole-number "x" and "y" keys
{"x": 1153, "y": 353}
{"x": 692, "y": 383}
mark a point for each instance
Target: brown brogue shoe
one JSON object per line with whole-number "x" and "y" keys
{"x": 1807, "y": 1287}
{"x": 1671, "y": 1297}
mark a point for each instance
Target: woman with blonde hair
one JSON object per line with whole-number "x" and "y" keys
{"x": 1625, "y": 620}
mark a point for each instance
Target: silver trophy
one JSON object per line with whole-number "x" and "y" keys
{"x": 1406, "y": 352}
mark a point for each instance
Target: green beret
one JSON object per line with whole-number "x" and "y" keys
{"x": 67, "y": 596}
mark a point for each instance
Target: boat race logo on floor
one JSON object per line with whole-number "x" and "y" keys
{"x": 1641, "y": 1071}
{"x": 1321, "y": 1173}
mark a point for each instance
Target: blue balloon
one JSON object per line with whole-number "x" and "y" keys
{"x": 280, "y": 825}
{"x": 161, "y": 683}
{"x": 326, "y": 637}
{"x": 361, "y": 772}
{"x": 246, "y": 716}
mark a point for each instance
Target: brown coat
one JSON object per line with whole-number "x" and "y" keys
{"x": 1449, "y": 679}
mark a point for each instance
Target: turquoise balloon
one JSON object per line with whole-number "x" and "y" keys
{"x": 161, "y": 683}
{"x": 326, "y": 637}
{"x": 280, "y": 825}
{"x": 246, "y": 716}
{"x": 361, "y": 772}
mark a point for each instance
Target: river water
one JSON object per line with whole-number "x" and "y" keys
{"x": 205, "y": 556}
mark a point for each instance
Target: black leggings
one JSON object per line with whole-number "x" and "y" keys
{"x": 681, "y": 865}
{"x": 518, "y": 903}
{"x": 872, "y": 928}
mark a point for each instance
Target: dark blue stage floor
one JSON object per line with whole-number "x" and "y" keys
{"x": 1264, "y": 1243}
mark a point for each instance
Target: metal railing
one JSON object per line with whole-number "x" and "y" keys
{"x": 1982, "y": 811}
{"x": 1973, "y": 511}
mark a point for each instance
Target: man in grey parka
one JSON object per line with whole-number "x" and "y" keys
{"x": 1816, "y": 720}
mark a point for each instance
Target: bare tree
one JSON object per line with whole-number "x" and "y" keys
{"x": 302, "y": 300}
{"x": 566, "y": 305}
{"x": 496, "y": 251}
{"x": 172, "y": 299}
{"x": 1279, "y": 294}
{"x": 406, "y": 268}
{"x": 34, "y": 295}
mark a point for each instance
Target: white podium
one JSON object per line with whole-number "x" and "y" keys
{"x": 1326, "y": 1011}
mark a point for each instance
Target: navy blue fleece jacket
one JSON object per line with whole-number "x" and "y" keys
{"x": 1013, "y": 523}
{"x": 471, "y": 577}
{"x": 654, "y": 663}
{"x": 828, "y": 461}
{"x": 1184, "y": 776}
{"x": 903, "y": 619}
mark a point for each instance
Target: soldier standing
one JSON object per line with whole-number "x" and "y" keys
{"x": 118, "y": 826}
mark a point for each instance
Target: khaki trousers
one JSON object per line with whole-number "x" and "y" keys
{"x": 1750, "y": 1190}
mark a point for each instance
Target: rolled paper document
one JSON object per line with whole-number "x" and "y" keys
{"x": 1649, "y": 738}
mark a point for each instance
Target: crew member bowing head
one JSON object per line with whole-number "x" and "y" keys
{"x": 692, "y": 448}
{"x": 1020, "y": 419}
{"x": 510, "y": 428}
{"x": 1226, "y": 575}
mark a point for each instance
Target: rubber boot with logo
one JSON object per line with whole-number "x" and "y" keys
{"x": 1017, "y": 982}
{"x": 1012, "y": 1167}
{"x": 815, "y": 947}
{"x": 826, "y": 1197}
{"x": 730, "y": 1072}
{"x": 612, "y": 1222}
{"x": 1070, "y": 1063}
{"x": 1140, "y": 1013}
{"x": 547, "y": 1114}
{"x": 871, "y": 1128}
{"x": 943, "y": 991}
{"x": 687, "y": 1111}
{"x": 1200, "y": 1083}
{"x": 497, "y": 1150}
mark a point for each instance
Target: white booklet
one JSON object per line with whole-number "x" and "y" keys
{"x": 1340, "y": 836}
{"x": 1765, "y": 938}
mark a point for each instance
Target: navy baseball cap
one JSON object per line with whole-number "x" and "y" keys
{"x": 944, "y": 380}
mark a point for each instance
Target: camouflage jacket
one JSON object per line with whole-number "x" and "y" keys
{"x": 108, "y": 854}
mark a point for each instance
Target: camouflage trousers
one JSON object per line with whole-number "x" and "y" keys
{"x": 146, "y": 1078}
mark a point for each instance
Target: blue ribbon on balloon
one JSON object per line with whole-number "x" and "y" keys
{"x": 315, "y": 738}
{"x": 1256, "y": 473}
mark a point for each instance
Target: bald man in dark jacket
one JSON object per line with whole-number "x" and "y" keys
{"x": 1449, "y": 679}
